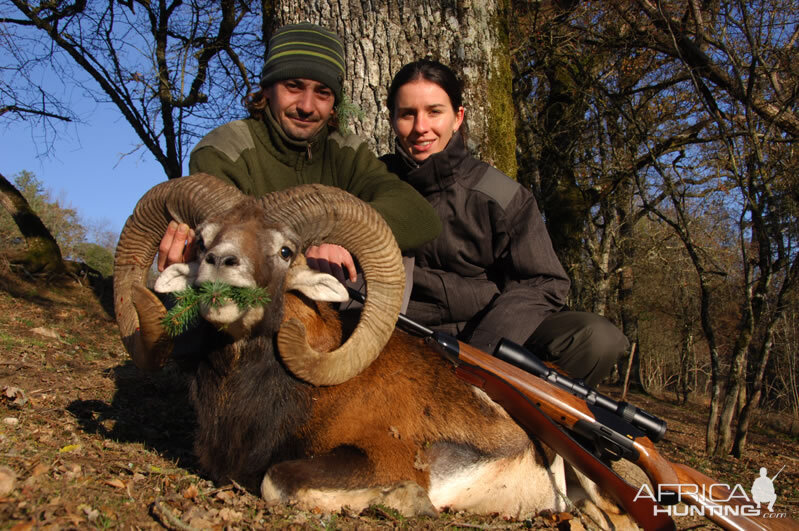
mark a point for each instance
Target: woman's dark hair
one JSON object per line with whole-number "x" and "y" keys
{"x": 428, "y": 70}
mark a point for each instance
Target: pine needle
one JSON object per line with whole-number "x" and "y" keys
{"x": 186, "y": 311}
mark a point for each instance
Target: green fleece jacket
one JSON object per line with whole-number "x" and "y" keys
{"x": 257, "y": 157}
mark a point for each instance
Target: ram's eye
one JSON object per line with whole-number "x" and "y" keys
{"x": 286, "y": 253}
{"x": 199, "y": 244}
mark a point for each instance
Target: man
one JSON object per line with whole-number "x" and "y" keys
{"x": 763, "y": 489}
{"x": 290, "y": 139}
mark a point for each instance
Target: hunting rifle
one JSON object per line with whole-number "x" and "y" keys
{"x": 538, "y": 397}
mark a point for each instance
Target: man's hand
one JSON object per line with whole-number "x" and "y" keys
{"x": 176, "y": 245}
{"x": 332, "y": 259}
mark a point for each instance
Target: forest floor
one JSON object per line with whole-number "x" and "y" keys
{"x": 89, "y": 441}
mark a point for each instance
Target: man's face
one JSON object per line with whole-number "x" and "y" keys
{"x": 302, "y": 107}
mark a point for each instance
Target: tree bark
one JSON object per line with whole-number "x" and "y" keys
{"x": 380, "y": 37}
{"x": 687, "y": 364}
{"x": 715, "y": 376}
{"x": 739, "y": 445}
{"x": 735, "y": 382}
{"x": 626, "y": 259}
{"x": 43, "y": 254}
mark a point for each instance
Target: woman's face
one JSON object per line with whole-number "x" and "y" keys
{"x": 424, "y": 120}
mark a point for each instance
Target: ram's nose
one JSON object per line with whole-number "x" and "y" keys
{"x": 220, "y": 261}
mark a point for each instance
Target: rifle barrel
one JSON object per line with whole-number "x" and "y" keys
{"x": 417, "y": 328}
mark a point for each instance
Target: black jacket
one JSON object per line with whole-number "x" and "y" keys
{"x": 492, "y": 272}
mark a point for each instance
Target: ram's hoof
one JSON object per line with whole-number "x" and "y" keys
{"x": 270, "y": 492}
{"x": 409, "y": 499}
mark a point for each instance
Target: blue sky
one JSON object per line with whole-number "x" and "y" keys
{"x": 87, "y": 165}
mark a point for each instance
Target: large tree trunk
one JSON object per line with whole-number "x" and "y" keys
{"x": 735, "y": 385}
{"x": 552, "y": 79}
{"x": 43, "y": 254}
{"x": 380, "y": 37}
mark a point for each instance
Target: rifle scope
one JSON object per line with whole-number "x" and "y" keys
{"x": 519, "y": 356}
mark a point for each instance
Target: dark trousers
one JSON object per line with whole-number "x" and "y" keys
{"x": 583, "y": 344}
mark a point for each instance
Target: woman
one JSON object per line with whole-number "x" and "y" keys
{"x": 492, "y": 272}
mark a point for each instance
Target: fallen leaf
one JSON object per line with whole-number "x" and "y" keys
{"x": 40, "y": 469}
{"x": 190, "y": 492}
{"x": 200, "y": 523}
{"x": 46, "y": 332}
{"x": 229, "y": 515}
{"x": 225, "y": 496}
{"x": 8, "y": 480}
{"x": 71, "y": 470}
{"x": 561, "y": 517}
{"x": 91, "y": 514}
{"x": 117, "y": 483}
{"x": 68, "y": 448}
{"x": 23, "y": 526}
{"x": 15, "y": 396}
{"x": 74, "y": 518}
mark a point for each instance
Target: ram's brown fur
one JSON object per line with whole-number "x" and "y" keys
{"x": 427, "y": 404}
{"x": 322, "y": 323}
{"x": 426, "y": 401}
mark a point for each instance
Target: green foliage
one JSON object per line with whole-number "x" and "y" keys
{"x": 213, "y": 294}
{"x": 96, "y": 256}
{"x": 63, "y": 222}
{"x": 346, "y": 111}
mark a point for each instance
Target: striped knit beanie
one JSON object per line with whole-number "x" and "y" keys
{"x": 305, "y": 51}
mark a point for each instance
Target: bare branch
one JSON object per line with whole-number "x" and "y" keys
{"x": 22, "y": 111}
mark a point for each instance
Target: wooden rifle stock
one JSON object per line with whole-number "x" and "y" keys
{"x": 507, "y": 384}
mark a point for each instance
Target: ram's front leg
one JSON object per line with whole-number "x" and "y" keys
{"x": 344, "y": 477}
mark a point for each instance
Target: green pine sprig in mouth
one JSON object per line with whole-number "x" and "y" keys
{"x": 186, "y": 311}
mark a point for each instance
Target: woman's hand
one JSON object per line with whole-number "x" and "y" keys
{"x": 332, "y": 259}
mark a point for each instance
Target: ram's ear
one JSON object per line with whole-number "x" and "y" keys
{"x": 176, "y": 277}
{"x": 315, "y": 285}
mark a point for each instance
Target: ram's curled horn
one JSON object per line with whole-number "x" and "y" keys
{"x": 138, "y": 311}
{"x": 324, "y": 214}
